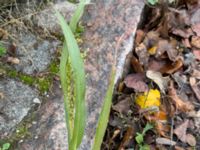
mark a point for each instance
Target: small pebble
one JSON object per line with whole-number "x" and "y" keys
{"x": 36, "y": 100}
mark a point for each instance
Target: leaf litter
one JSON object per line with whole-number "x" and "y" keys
{"x": 163, "y": 85}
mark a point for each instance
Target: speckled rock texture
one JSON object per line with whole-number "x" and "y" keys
{"x": 110, "y": 27}
{"x": 35, "y": 54}
{"x": 47, "y": 20}
{"x": 35, "y": 46}
{"x": 17, "y": 100}
{"x": 48, "y": 131}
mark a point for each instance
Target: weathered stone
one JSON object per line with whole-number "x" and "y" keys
{"x": 15, "y": 103}
{"x": 34, "y": 50}
{"x": 35, "y": 54}
{"x": 110, "y": 27}
{"x": 48, "y": 131}
{"x": 47, "y": 20}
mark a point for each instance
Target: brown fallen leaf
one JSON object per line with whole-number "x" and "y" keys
{"x": 178, "y": 102}
{"x": 178, "y": 148}
{"x": 156, "y": 65}
{"x": 165, "y": 141}
{"x": 157, "y": 77}
{"x": 195, "y": 19}
{"x": 139, "y": 36}
{"x": 169, "y": 47}
{"x": 151, "y": 39}
{"x": 196, "y": 29}
{"x": 195, "y": 41}
{"x": 142, "y": 53}
{"x": 162, "y": 128}
{"x": 122, "y": 106}
{"x": 180, "y": 131}
{"x": 196, "y": 117}
{"x": 183, "y": 33}
{"x": 156, "y": 116}
{"x": 195, "y": 73}
{"x": 121, "y": 86}
{"x": 3, "y": 34}
{"x": 136, "y": 82}
{"x": 186, "y": 43}
{"x": 172, "y": 67}
{"x": 196, "y": 54}
{"x": 191, "y": 140}
{"x": 136, "y": 65}
{"x": 127, "y": 138}
{"x": 195, "y": 87}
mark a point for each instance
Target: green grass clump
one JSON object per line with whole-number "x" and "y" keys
{"x": 5, "y": 146}
{"x": 140, "y": 137}
{"x": 71, "y": 52}
{"x": 2, "y": 50}
{"x": 72, "y": 68}
{"x": 105, "y": 112}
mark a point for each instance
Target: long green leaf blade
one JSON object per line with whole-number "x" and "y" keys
{"x": 104, "y": 115}
{"x": 79, "y": 81}
{"x": 63, "y": 78}
{"x": 77, "y": 15}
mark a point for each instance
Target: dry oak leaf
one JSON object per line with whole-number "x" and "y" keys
{"x": 136, "y": 65}
{"x": 195, "y": 73}
{"x": 172, "y": 67}
{"x": 136, "y": 82}
{"x": 156, "y": 116}
{"x": 180, "y": 131}
{"x": 195, "y": 87}
{"x": 123, "y": 106}
{"x": 127, "y": 138}
{"x": 196, "y": 54}
{"x": 191, "y": 140}
{"x": 165, "y": 141}
{"x": 139, "y": 36}
{"x": 196, "y": 29}
{"x": 195, "y": 41}
{"x": 162, "y": 128}
{"x": 183, "y": 33}
{"x": 179, "y": 103}
{"x": 169, "y": 47}
{"x": 157, "y": 77}
{"x": 142, "y": 53}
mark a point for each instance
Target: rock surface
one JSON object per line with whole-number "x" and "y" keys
{"x": 35, "y": 53}
{"x": 16, "y": 102}
{"x": 110, "y": 29}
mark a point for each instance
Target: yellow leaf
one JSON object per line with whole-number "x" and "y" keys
{"x": 149, "y": 99}
{"x": 152, "y": 50}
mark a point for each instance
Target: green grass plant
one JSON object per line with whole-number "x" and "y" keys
{"x": 71, "y": 60}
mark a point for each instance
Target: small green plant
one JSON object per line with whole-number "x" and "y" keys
{"x": 154, "y": 2}
{"x": 140, "y": 137}
{"x": 75, "y": 111}
{"x": 5, "y": 146}
{"x": 72, "y": 68}
{"x": 2, "y": 50}
{"x": 105, "y": 112}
